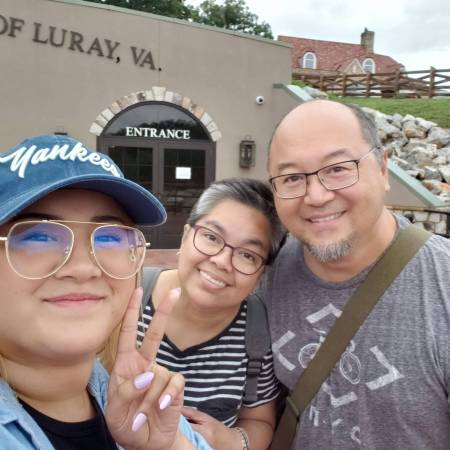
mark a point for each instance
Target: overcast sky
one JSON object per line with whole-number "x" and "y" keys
{"x": 416, "y": 33}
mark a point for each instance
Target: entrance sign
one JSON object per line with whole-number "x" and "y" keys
{"x": 157, "y": 120}
{"x": 156, "y": 133}
{"x": 183, "y": 173}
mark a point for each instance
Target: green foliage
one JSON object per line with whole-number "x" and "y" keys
{"x": 168, "y": 8}
{"x": 299, "y": 83}
{"x": 232, "y": 15}
{"x": 436, "y": 110}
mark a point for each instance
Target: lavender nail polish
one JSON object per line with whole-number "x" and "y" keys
{"x": 138, "y": 421}
{"x": 143, "y": 380}
{"x": 165, "y": 402}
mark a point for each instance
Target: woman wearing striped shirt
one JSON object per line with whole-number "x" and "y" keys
{"x": 232, "y": 233}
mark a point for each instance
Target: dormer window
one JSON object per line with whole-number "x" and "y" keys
{"x": 369, "y": 65}
{"x": 309, "y": 61}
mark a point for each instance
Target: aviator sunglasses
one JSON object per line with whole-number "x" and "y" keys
{"x": 37, "y": 249}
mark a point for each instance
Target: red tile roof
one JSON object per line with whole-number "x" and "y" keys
{"x": 336, "y": 55}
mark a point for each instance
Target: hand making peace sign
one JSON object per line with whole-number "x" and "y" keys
{"x": 144, "y": 399}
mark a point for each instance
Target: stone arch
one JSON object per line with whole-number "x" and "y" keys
{"x": 156, "y": 93}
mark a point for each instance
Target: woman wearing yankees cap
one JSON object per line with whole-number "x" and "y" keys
{"x": 69, "y": 261}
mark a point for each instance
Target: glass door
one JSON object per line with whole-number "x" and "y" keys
{"x": 176, "y": 173}
{"x": 135, "y": 162}
{"x": 184, "y": 179}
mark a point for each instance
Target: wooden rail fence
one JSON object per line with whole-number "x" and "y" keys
{"x": 417, "y": 83}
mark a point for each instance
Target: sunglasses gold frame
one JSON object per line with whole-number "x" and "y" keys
{"x": 69, "y": 251}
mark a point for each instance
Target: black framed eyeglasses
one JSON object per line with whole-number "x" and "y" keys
{"x": 332, "y": 177}
{"x": 36, "y": 249}
{"x": 210, "y": 243}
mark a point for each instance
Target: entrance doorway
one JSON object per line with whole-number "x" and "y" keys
{"x": 167, "y": 150}
{"x": 175, "y": 173}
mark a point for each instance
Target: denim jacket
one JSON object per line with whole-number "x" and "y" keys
{"x": 18, "y": 431}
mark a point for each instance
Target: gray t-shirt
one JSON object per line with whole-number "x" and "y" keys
{"x": 390, "y": 388}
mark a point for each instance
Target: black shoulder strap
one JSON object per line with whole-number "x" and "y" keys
{"x": 257, "y": 342}
{"x": 149, "y": 277}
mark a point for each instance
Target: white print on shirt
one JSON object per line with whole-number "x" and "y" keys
{"x": 356, "y": 434}
{"x": 335, "y": 423}
{"x": 280, "y": 343}
{"x": 343, "y": 400}
{"x": 324, "y": 312}
{"x": 314, "y": 415}
{"x": 392, "y": 375}
{"x": 350, "y": 368}
{"x": 350, "y": 365}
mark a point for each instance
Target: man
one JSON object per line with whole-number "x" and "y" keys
{"x": 390, "y": 388}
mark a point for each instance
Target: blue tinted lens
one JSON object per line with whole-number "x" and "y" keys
{"x": 112, "y": 237}
{"x": 37, "y": 249}
{"x": 119, "y": 250}
{"x": 39, "y": 237}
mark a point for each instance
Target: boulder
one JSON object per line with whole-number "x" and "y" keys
{"x": 433, "y": 186}
{"x": 440, "y": 160}
{"x": 420, "y": 156}
{"x": 439, "y": 137}
{"x": 432, "y": 173}
{"x": 425, "y": 124}
{"x": 386, "y": 130}
{"x": 412, "y": 130}
{"x": 405, "y": 165}
{"x": 445, "y": 152}
{"x": 397, "y": 120}
{"x": 445, "y": 173}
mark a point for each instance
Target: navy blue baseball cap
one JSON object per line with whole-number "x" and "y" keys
{"x": 43, "y": 164}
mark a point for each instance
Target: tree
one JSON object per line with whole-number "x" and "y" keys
{"x": 232, "y": 15}
{"x": 169, "y": 8}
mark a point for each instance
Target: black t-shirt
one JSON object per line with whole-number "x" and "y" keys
{"x": 91, "y": 434}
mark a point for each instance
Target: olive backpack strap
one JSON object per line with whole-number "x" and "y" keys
{"x": 149, "y": 277}
{"x": 257, "y": 343}
{"x": 406, "y": 244}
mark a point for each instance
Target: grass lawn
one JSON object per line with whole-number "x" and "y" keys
{"x": 436, "y": 110}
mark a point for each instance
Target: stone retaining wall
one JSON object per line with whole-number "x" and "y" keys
{"x": 431, "y": 220}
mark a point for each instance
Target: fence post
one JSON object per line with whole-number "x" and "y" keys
{"x": 344, "y": 85}
{"x": 431, "y": 86}
{"x": 397, "y": 83}
{"x": 368, "y": 79}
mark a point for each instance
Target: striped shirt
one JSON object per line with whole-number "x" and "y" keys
{"x": 215, "y": 371}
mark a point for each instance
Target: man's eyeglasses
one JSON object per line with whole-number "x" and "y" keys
{"x": 211, "y": 243}
{"x": 37, "y": 249}
{"x": 332, "y": 177}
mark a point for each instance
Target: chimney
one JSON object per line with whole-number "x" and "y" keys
{"x": 367, "y": 40}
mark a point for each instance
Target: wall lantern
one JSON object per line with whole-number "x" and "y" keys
{"x": 247, "y": 149}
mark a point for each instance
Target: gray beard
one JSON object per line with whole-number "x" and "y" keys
{"x": 330, "y": 252}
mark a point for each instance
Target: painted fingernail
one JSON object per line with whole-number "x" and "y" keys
{"x": 143, "y": 380}
{"x": 138, "y": 421}
{"x": 165, "y": 402}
